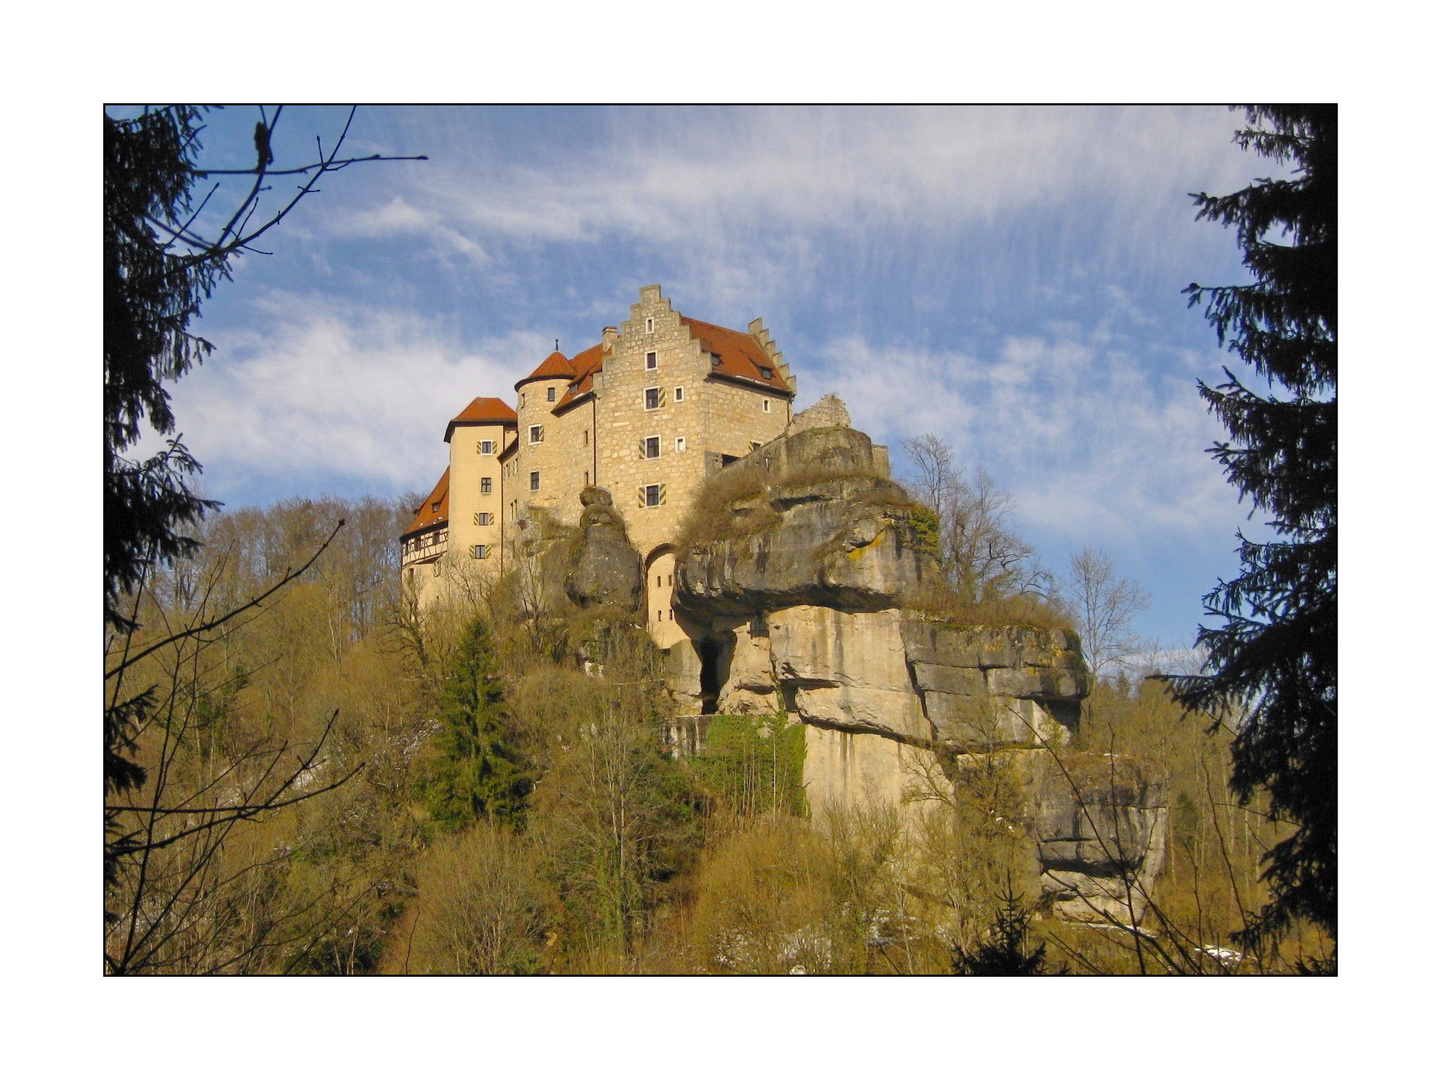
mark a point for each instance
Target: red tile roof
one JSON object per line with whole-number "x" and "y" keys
{"x": 741, "y": 355}
{"x": 483, "y": 410}
{"x": 554, "y": 366}
{"x": 585, "y": 365}
{"x": 425, "y": 517}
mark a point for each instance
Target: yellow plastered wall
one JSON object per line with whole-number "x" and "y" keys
{"x": 469, "y": 465}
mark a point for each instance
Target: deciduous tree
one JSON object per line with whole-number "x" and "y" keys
{"x": 1103, "y": 604}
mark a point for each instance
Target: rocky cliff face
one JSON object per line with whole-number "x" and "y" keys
{"x": 797, "y": 593}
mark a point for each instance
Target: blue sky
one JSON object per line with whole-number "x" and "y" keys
{"x": 1009, "y": 279}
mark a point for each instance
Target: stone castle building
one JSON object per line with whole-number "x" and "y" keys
{"x": 807, "y": 595}
{"x": 657, "y": 405}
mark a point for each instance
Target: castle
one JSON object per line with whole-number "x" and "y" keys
{"x": 649, "y": 412}
{"x": 807, "y": 597}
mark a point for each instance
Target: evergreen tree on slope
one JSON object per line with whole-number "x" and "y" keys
{"x": 1273, "y": 658}
{"x": 475, "y": 771}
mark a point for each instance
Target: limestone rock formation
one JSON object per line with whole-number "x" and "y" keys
{"x": 798, "y": 592}
{"x": 592, "y": 564}
{"x": 605, "y": 569}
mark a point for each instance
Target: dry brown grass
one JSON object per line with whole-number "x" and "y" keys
{"x": 745, "y": 499}
{"x": 1021, "y": 609}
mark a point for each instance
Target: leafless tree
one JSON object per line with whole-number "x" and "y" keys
{"x": 1103, "y": 604}
{"x": 981, "y": 555}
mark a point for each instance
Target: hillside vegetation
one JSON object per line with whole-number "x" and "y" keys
{"x": 466, "y": 790}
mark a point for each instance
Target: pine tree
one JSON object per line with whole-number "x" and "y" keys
{"x": 475, "y": 771}
{"x": 1273, "y": 658}
{"x": 1007, "y": 952}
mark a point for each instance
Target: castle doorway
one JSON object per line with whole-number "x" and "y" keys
{"x": 660, "y": 617}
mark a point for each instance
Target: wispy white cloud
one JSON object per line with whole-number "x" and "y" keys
{"x": 321, "y": 390}
{"x": 741, "y": 199}
{"x": 1091, "y": 443}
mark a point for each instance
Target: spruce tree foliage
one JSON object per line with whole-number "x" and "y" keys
{"x": 1007, "y": 952}
{"x": 151, "y": 294}
{"x": 476, "y": 771}
{"x": 1273, "y": 658}
{"x": 160, "y": 264}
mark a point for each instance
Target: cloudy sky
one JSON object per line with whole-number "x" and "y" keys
{"x": 1008, "y": 279}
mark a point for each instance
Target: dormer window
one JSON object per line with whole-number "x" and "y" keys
{"x": 715, "y": 359}
{"x": 435, "y": 508}
{"x": 766, "y": 372}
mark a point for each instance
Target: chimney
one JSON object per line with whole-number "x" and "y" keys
{"x": 608, "y": 334}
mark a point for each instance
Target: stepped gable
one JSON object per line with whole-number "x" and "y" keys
{"x": 741, "y": 355}
{"x": 434, "y": 511}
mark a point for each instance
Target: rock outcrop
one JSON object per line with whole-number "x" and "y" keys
{"x": 604, "y": 569}
{"x": 589, "y": 565}
{"x": 800, "y": 591}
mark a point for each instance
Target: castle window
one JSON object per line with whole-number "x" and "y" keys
{"x": 482, "y": 517}
{"x": 680, "y": 393}
{"x": 765, "y": 404}
{"x": 650, "y": 326}
{"x": 535, "y": 481}
{"x": 522, "y": 401}
{"x": 650, "y": 361}
{"x": 587, "y": 478}
{"x": 585, "y": 437}
{"x": 653, "y": 398}
{"x": 536, "y": 433}
{"x": 651, "y": 495}
{"x": 650, "y": 446}
{"x": 680, "y": 444}
{"x": 550, "y": 393}
{"x": 766, "y": 372}
{"x": 480, "y": 551}
{"x": 485, "y": 485}
{"x": 485, "y": 446}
